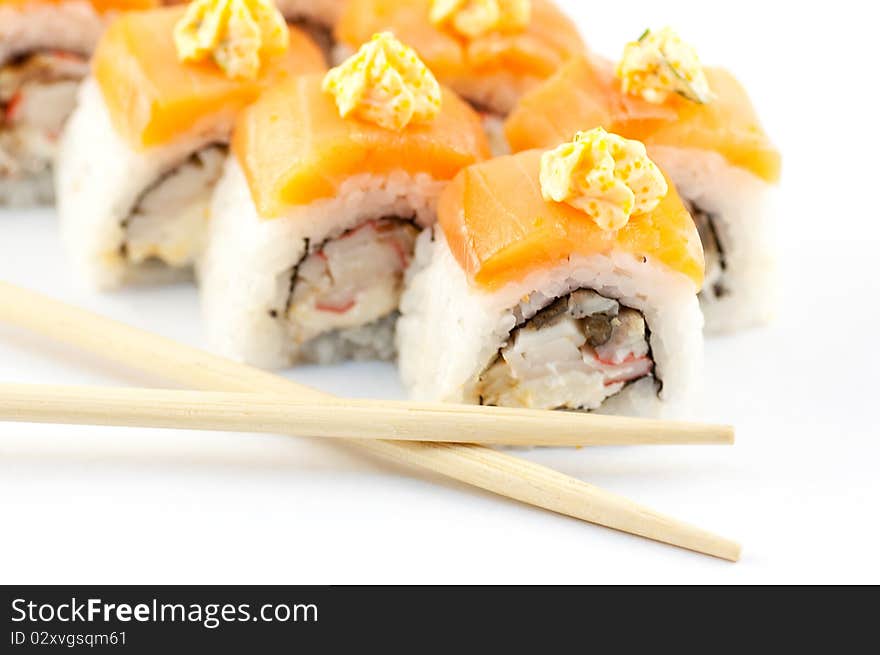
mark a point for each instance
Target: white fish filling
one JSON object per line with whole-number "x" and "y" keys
{"x": 37, "y": 94}
{"x": 169, "y": 222}
{"x": 574, "y": 354}
{"x": 352, "y": 280}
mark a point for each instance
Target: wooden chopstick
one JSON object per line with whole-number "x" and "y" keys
{"x": 479, "y": 466}
{"x": 352, "y": 419}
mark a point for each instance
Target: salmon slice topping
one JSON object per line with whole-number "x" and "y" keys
{"x": 122, "y": 5}
{"x": 547, "y": 40}
{"x": 500, "y": 228}
{"x": 153, "y": 98}
{"x": 101, "y": 6}
{"x": 585, "y": 94}
{"x": 295, "y": 148}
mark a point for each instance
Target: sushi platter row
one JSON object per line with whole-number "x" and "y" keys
{"x": 460, "y": 186}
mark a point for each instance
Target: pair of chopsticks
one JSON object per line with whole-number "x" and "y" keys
{"x": 240, "y": 398}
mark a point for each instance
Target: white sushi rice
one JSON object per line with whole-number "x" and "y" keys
{"x": 68, "y": 26}
{"x": 450, "y": 331}
{"x": 99, "y": 179}
{"x": 245, "y": 274}
{"x": 743, "y": 206}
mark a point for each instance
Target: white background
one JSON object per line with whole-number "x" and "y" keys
{"x": 800, "y": 489}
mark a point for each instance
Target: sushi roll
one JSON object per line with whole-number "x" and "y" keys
{"x": 140, "y": 156}
{"x": 44, "y": 51}
{"x": 704, "y": 133}
{"x": 490, "y": 52}
{"x": 562, "y": 279}
{"x": 314, "y": 222}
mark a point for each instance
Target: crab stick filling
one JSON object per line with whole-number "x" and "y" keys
{"x": 573, "y": 354}
{"x": 37, "y": 94}
{"x": 167, "y": 223}
{"x": 351, "y": 280}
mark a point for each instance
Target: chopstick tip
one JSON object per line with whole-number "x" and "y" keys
{"x": 735, "y": 552}
{"x": 729, "y": 435}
